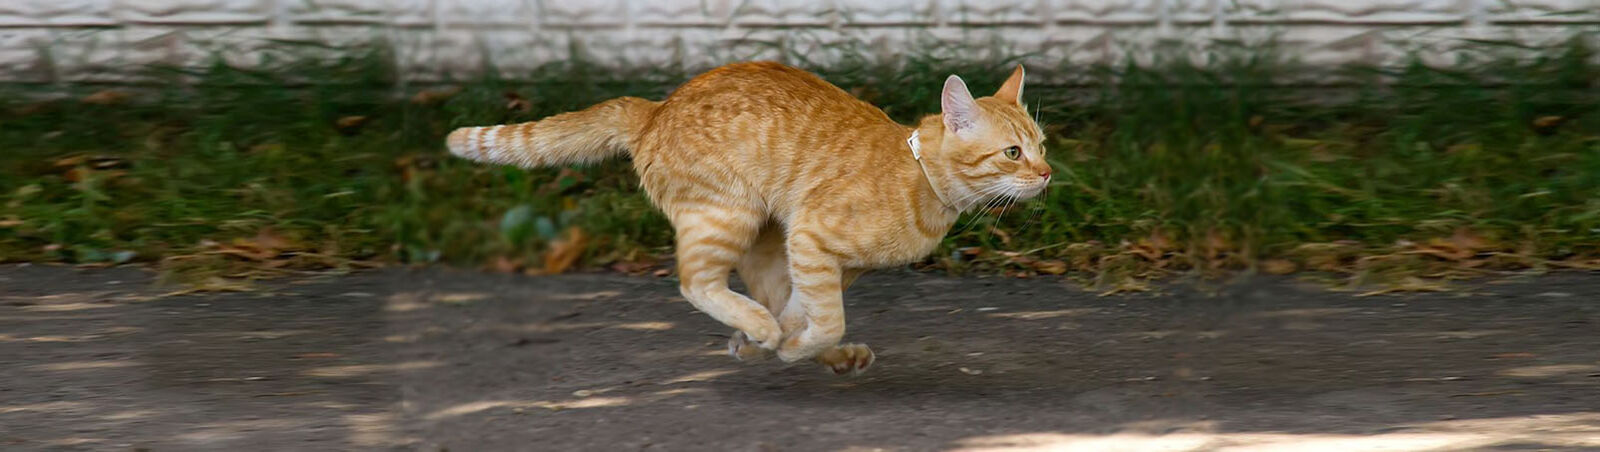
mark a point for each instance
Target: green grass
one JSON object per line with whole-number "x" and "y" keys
{"x": 1166, "y": 167}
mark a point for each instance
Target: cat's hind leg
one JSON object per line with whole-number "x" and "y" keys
{"x": 711, "y": 240}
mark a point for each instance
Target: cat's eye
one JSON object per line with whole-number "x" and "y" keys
{"x": 1013, "y": 152}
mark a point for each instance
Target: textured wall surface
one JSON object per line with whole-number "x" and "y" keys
{"x": 80, "y": 40}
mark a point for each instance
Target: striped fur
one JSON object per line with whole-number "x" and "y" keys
{"x": 774, "y": 172}
{"x": 578, "y": 137}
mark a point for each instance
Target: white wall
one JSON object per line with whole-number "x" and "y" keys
{"x": 75, "y": 40}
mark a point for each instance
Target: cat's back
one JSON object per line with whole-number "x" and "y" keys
{"x": 764, "y": 92}
{"x": 750, "y": 131}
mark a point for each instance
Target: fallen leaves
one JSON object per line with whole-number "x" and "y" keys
{"x": 79, "y": 167}
{"x": 106, "y": 97}
{"x": 503, "y": 264}
{"x": 565, "y": 252}
{"x": 1051, "y": 267}
{"x": 1405, "y": 266}
{"x": 435, "y": 96}
{"x": 560, "y": 256}
{"x": 414, "y": 166}
{"x": 266, "y": 245}
{"x": 1460, "y": 246}
{"x": 1278, "y": 266}
{"x": 636, "y": 262}
{"x": 228, "y": 266}
{"x": 1546, "y": 125}
{"x": 515, "y": 102}
{"x": 351, "y": 124}
{"x": 1153, "y": 248}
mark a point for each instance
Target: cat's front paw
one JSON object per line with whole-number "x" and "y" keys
{"x": 742, "y": 348}
{"x": 852, "y": 359}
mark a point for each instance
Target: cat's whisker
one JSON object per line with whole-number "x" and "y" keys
{"x": 979, "y": 195}
{"x": 1034, "y": 214}
{"x": 975, "y": 195}
{"x": 988, "y": 190}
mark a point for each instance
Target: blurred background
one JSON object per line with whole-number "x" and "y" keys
{"x": 1369, "y": 141}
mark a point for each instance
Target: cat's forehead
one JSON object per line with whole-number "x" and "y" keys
{"x": 1011, "y": 119}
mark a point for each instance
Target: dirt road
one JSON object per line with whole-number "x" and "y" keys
{"x": 451, "y": 359}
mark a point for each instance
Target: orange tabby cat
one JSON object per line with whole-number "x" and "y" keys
{"x": 772, "y": 171}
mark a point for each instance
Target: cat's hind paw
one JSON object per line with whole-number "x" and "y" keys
{"x": 742, "y": 348}
{"x": 851, "y": 359}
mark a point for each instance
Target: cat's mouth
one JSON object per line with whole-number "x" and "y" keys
{"x": 1031, "y": 189}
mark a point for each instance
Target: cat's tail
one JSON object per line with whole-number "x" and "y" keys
{"x": 583, "y": 136}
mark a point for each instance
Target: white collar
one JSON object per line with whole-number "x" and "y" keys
{"x": 916, "y": 153}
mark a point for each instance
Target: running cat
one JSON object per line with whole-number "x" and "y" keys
{"x": 801, "y": 187}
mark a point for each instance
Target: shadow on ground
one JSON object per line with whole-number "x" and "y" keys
{"x": 451, "y": 359}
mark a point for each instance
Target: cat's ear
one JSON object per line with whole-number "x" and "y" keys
{"x": 960, "y": 110}
{"x": 1011, "y": 90}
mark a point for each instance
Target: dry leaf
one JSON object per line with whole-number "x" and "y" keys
{"x": 434, "y": 96}
{"x": 31, "y": 109}
{"x": 1546, "y": 122}
{"x": 106, "y": 97}
{"x": 515, "y": 102}
{"x": 1005, "y": 237}
{"x": 504, "y": 264}
{"x": 1142, "y": 249}
{"x": 564, "y": 253}
{"x": 632, "y": 267}
{"x": 350, "y": 123}
{"x": 269, "y": 239}
{"x": 76, "y": 174}
{"x": 74, "y": 160}
{"x": 1159, "y": 241}
{"x": 1053, "y": 267}
{"x": 1278, "y": 266}
{"x": 1216, "y": 243}
{"x": 1466, "y": 239}
{"x": 265, "y": 246}
{"x": 1443, "y": 249}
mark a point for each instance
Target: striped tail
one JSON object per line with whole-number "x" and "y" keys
{"x": 584, "y": 136}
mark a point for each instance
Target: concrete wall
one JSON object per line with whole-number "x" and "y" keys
{"x": 100, "y": 40}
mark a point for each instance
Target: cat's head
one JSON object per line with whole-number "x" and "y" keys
{"x": 992, "y": 147}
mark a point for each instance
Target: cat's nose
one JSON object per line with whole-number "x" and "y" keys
{"x": 1045, "y": 173}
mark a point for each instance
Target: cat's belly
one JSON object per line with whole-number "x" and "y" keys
{"x": 885, "y": 250}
